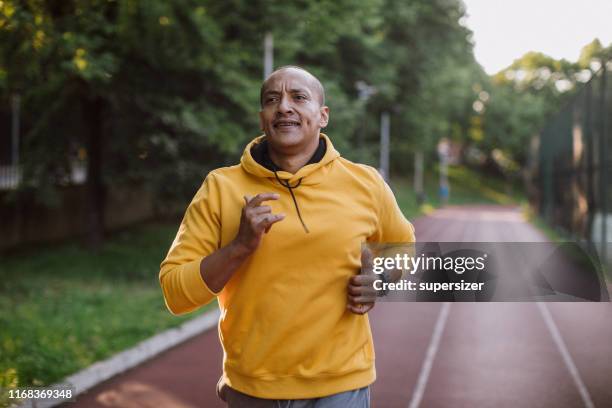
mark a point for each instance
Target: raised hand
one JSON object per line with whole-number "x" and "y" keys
{"x": 256, "y": 220}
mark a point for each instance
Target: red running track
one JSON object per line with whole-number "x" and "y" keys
{"x": 429, "y": 354}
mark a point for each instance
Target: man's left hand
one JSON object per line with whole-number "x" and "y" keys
{"x": 361, "y": 294}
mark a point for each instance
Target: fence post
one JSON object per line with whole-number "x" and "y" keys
{"x": 15, "y": 124}
{"x": 590, "y": 180}
{"x": 603, "y": 167}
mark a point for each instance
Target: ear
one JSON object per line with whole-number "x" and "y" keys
{"x": 324, "y": 110}
{"x": 261, "y": 121}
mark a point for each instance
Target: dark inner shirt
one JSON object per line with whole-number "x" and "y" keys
{"x": 260, "y": 153}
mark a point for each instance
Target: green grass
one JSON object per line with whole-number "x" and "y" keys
{"x": 466, "y": 187}
{"x": 552, "y": 234}
{"x": 63, "y": 308}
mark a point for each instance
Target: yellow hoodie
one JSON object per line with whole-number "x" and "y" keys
{"x": 284, "y": 326}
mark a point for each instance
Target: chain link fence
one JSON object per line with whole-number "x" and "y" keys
{"x": 574, "y": 172}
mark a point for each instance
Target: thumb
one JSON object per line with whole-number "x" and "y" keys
{"x": 366, "y": 257}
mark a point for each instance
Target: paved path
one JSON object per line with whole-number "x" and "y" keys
{"x": 430, "y": 354}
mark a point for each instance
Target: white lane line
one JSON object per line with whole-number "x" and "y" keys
{"x": 434, "y": 343}
{"x": 567, "y": 358}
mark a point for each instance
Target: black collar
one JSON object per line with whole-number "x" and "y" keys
{"x": 259, "y": 151}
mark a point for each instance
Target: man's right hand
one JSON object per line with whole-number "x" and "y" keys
{"x": 217, "y": 268}
{"x": 256, "y": 219}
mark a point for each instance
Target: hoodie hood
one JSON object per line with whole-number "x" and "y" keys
{"x": 310, "y": 174}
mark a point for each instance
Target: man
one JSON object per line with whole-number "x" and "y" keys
{"x": 277, "y": 239}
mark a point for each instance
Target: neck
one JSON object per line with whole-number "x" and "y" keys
{"x": 292, "y": 162}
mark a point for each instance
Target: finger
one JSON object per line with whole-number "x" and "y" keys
{"x": 262, "y": 209}
{"x": 361, "y": 294}
{"x": 264, "y": 221}
{"x": 366, "y": 256}
{"x": 354, "y": 309}
{"x": 354, "y": 290}
{"x": 247, "y": 199}
{"x": 364, "y": 307}
{"x": 360, "y": 309}
{"x": 270, "y": 226}
{"x": 362, "y": 291}
{"x": 362, "y": 280}
{"x": 261, "y": 197}
{"x": 357, "y": 290}
{"x": 362, "y": 299}
{"x": 362, "y": 285}
{"x": 274, "y": 219}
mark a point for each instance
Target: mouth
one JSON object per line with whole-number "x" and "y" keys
{"x": 286, "y": 124}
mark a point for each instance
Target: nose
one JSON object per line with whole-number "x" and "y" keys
{"x": 284, "y": 104}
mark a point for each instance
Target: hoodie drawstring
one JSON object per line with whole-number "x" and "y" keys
{"x": 290, "y": 188}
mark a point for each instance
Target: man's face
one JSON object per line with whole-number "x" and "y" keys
{"x": 291, "y": 114}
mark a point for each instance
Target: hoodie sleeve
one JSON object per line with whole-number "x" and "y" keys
{"x": 392, "y": 225}
{"x": 198, "y": 236}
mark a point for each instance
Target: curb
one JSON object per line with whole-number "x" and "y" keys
{"x": 103, "y": 370}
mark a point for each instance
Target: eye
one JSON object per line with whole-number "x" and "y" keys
{"x": 300, "y": 97}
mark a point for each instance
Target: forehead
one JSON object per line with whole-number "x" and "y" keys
{"x": 289, "y": 79}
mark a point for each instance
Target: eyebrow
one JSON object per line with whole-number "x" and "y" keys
{"x": 291, "y": 91}
{"x": 298, "y": 90}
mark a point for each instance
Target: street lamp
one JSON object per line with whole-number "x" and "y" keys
{"x": 365, "y": 92}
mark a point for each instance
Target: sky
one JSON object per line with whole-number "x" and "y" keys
{"x": 504, "y": 30}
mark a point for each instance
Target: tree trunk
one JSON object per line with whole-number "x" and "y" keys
{"x": 418, "y": 177}
{"x": 93, "y": 115}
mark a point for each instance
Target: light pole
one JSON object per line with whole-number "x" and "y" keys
{"x": 384, "y": 145}
{"x": 365, "y": 92}
{"x": 268, "y": 60}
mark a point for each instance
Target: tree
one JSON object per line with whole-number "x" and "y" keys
{"x": 103, "y": 78}
{"x": 158, "y": 93}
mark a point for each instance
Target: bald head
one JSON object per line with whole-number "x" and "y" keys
{"x": 315, "y": 84}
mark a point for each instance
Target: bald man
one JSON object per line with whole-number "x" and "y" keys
{"x": 277, "y": 241}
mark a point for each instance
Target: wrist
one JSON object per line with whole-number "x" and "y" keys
{"x": 238, "y": 250}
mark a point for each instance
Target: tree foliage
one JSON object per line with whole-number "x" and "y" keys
{"x": 159, "y": 93}
{"x": 167, "y": 90}
{"x": 530, "y": 90}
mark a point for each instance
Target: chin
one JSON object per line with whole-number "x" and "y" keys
{"x": 285, "y": 140}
